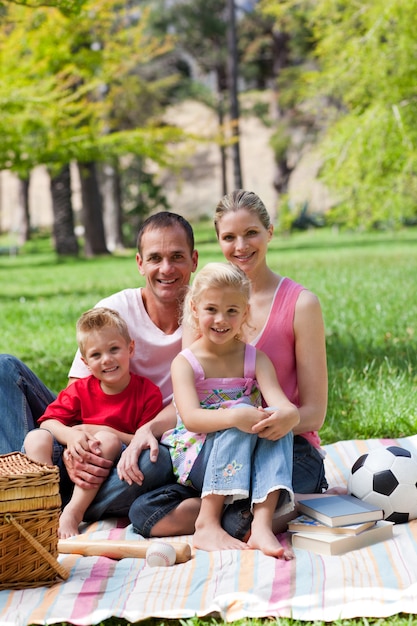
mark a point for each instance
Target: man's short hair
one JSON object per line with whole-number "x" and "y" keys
{"x": 166, "y": 219}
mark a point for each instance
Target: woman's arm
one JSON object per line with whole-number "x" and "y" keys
{"x": 286, "y": 417}
{"x": 310, "y": 353}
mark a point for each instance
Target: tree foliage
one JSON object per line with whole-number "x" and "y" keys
{"x": 62, "y": 80}
{"x": 365, "y": 61}
{"x": 67, "y": 7}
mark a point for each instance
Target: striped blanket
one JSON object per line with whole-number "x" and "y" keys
{"x": 372, "y": 582}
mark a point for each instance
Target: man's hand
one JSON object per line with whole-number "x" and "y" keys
{"x": 91, "y": 471}
{"x": 127, "y": 467}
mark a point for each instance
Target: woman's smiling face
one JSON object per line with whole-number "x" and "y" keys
{"x": 243, "y": 239}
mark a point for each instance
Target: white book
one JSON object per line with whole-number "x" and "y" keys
{"x": 333, "y": 544}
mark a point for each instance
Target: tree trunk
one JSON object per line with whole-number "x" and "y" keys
{"x": 92, "y": 211}
{"x": 233, "y": 92}
{"x": 112, "y": 210}
{"x": 23, "y": 225}
{"x": 221, "y": 85}
{"x": 280, "y": 51}
{"x": 65, "y": 241}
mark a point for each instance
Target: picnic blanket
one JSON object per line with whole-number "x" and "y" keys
{"x": 377, "y": 581}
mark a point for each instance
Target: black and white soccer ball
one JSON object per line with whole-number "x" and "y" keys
{"x": 387, "y": 478}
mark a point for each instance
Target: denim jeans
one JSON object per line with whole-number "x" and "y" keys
{"x": 244, "y": 466}
{"x": 308, "y": 468}
{"x": 308, "y": 477}
{"x": 24, "y": 398}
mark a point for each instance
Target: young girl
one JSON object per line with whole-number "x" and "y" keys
{"x": 218, "y": 386}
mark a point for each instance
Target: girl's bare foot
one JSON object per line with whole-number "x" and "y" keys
{"x": 211, "y": 538}
{"x": 267, "y": 543}
{"x": 68, "y": 523}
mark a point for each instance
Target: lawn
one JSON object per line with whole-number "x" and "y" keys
{"x": 366, "y": 284}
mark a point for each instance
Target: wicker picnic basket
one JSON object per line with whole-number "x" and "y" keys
{"x": 29, "y": 515}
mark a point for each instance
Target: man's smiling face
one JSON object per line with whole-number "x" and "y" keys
{"x": 166, "y": 262}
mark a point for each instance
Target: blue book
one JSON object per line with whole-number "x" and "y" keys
{"x": 307, "y": 524}
{"x": 340, "y": 510}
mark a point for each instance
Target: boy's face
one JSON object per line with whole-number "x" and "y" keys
{"x": 166, "y": 262}
{"x": 107, "y": 355}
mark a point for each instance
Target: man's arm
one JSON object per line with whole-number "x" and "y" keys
{"x": 92, "y": 471}
{"x": 145, "y": 438}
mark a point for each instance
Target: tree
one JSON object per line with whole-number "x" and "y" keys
{"x": 362, "y": 77}
{"x": 201, "y": 28}
{"x": 67, "y": 7}
{"x": 62, "y": 77}
{"x": 65, "y": 241}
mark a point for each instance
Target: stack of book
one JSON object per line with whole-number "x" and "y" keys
{"x": 336, "y": 524}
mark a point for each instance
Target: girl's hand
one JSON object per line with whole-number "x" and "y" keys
{"x": 277, "y": 422}
{"x": 245, "y": 418}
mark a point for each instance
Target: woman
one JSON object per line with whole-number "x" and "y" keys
{"x": 286, "y": 324}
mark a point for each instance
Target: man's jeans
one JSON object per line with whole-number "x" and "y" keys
{"x": 23, "y": 399}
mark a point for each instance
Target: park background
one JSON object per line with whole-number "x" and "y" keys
{"x": 112, "y": 110}
{"x": 98, "y": 131}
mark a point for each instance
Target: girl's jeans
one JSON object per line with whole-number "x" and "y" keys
{"x": 308, "y": 477}
{"x": 244, "y": 466}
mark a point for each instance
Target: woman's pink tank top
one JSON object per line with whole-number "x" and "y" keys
{"x": 278, "y": 342}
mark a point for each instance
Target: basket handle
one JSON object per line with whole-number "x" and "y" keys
{"x": 60, "y": 570}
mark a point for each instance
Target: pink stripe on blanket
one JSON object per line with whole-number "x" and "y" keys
{"x": 94, "y": 586}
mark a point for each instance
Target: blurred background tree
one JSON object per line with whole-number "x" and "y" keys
{"x": 88, "y": 82}
{"x": 358, "y": 80}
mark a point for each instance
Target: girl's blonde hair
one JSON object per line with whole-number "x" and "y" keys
{"x": 241, "y": 199}
{"x": 95, "y": 320}
{"x": 214, "y": 276}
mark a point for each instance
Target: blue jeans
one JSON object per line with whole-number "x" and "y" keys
{"x": 244, "y": 466}
{"x": 308, "y": 477}
{"x": 24, "y": 398}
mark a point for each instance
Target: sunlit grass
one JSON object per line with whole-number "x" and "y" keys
{"x": 367, "y": 288}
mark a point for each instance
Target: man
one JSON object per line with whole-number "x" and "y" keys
{"x": 166, "y": 258}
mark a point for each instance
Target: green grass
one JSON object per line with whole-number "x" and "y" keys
{"x": 367, "y": 287}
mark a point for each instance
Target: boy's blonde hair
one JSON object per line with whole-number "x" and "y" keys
{"x": 97, "y": 319}
{"x": 218, "y": 276}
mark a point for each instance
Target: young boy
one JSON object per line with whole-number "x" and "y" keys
{"x": 99, "y": 413}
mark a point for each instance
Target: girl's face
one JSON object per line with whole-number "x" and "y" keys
{"x": 244, "y": 239}
{"x": 220, "y": 314}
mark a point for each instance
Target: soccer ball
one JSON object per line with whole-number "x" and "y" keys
{"x": 387, "y": 478}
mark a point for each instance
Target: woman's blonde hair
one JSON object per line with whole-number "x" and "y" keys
{"x": 218, "y": 276}
{"x": 97, "y": 319}
{"x": 241, "y": 199}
